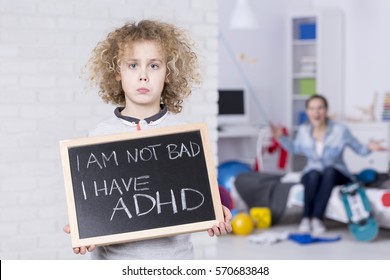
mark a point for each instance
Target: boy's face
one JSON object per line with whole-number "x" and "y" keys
{"x": 142, "y": 74}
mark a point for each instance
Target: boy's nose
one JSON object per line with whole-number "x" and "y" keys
{"x": 143, "y": 77}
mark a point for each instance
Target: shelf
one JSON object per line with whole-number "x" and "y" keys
{"x": 304, "y": 75}
{"x": 304, "y": 42}
{"x": 299, "y": 97}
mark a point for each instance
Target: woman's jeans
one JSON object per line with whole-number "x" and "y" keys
{"x": 318, "y": 188}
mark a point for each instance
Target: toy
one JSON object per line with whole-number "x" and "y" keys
{"x": 234, "y": 212}
{"x": 367, "y": 176}
{"x": 305, "y": 238}
{"x": 242, "y": 224}
{"x": 228, "y": 171}
{"x": 226, "y": 198}
{"x": 386, "y": 199}
{"x": 261, "y": 216}
{"x": 268, "y": 237}
{"x": 361, "y": 222}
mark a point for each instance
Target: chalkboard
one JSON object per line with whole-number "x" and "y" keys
{"x": 139, "y": 185}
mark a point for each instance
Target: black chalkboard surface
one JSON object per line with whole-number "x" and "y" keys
{"x": 140, "y": 185}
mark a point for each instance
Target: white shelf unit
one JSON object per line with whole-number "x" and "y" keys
{"x": 315, "y": 64}
{"x": 318, "y": 59}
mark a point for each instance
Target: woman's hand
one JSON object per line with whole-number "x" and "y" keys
{"x": 376, "y": 145}
{"x": 276, "y": 131}
{"x": 223, "y": 227}
{"x": 79, "y": 250}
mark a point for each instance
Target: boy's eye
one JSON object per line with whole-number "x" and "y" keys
{"x": 132, "y": 65}
{"x": 154, "y": 65}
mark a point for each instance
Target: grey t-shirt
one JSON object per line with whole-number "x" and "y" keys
{"x": 174, "y": 247}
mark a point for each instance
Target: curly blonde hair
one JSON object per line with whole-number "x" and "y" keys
{"x": 182, "y": 63}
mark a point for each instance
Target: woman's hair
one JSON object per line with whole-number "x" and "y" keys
{"x": 181, "y": 61}
{"x": 316, "y": 96}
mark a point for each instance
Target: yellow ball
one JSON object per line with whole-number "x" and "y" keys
{"x": 261, "y": 216}
{"x": 242, "y": 224}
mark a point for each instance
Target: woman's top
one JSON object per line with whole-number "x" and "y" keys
{"x": 336, "y": 139}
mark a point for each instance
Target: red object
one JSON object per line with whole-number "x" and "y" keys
{"x": 386, "y": 199}
{"x": 257, "y": 166}
{"x": 275, "y": 146}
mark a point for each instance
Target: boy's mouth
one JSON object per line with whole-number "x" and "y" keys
{"x": 143, "y": 90}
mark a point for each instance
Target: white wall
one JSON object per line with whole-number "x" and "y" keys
{"x": 366, "y": 52}
{"x": 367, "y": 45}
{"x": 43, "y": 46}
{"x": 265, "y": 45}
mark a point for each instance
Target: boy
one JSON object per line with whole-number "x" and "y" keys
{"x": 149, "y": 67}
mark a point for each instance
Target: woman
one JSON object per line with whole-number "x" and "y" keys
{"x": 323, "y": 142}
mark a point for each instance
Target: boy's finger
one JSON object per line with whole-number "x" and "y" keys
{"x": 66, "y": 229}
{"x": 83, "y": 250}
{"x": 222, "y": 228}
{"x": 91, "y": 248}
{"x": 228, "y": 227}
{"x": 216, "y": 231}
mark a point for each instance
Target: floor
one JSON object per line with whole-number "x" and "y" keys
{"x": 241, "y": 247}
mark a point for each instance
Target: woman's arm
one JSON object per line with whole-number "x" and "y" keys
{"x": 359, "y": 148}
{"x": 293, "y": 146}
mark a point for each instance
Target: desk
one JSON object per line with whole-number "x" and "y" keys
{"x": 237, "y": 142}
{"x": 236, "y": 131}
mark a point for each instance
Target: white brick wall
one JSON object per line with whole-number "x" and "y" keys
{"x": 43, "y": 45}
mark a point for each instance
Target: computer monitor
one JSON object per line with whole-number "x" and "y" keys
{"x": 233, "y": 106}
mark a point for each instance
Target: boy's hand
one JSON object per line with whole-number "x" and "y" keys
{"x": 224, "y": 227}
{"x": 79, "y": 250}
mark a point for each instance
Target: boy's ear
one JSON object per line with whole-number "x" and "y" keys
{"x": 118, "y": 77}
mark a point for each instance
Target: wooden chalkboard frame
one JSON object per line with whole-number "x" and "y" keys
{"x": 77, "y": 241}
